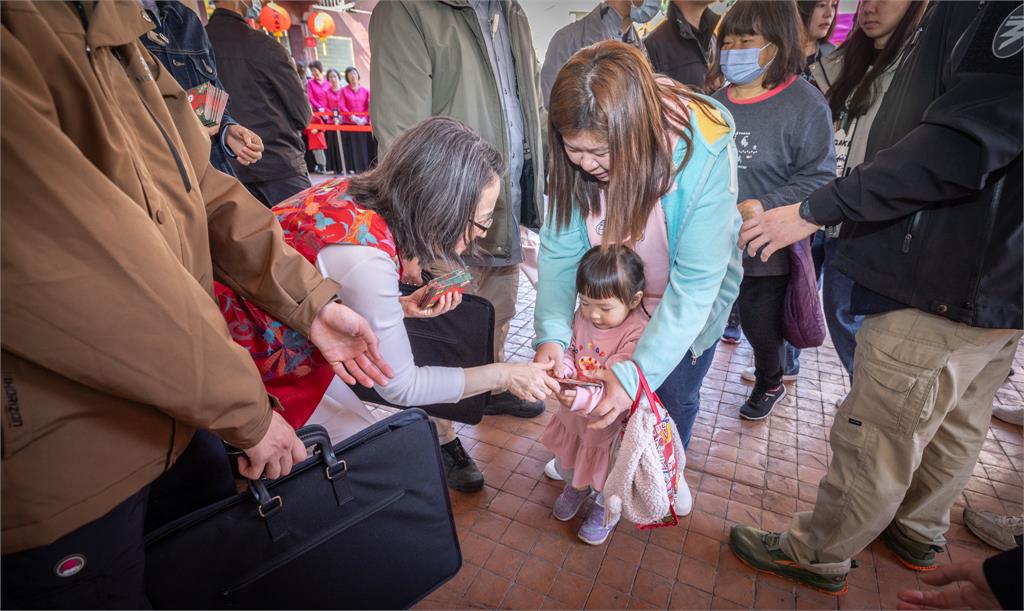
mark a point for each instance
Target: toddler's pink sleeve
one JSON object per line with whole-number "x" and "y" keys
{"x": 587, "y": 398}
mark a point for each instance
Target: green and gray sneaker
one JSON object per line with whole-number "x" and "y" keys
{"x": 914, "y": 555}
{"x": 760, "y": 550}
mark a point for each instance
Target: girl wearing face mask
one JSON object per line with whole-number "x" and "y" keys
{"x": 645, "y": 162}
{"x": 855, "y": 80}
{"x": 784, "y": 145}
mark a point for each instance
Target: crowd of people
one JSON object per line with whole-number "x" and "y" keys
{"x": 896, "y": 158}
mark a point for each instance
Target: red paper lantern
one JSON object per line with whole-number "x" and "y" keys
{"x": 321, "y": 25}
{"x": 310, "y": 41}
{"x": 275, "y": 20}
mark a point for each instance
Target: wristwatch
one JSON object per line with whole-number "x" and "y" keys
{"x": 805, "y": 212}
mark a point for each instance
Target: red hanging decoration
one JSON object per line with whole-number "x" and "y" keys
{"x": 310, "y": 42}
{"x": 321, "y": 25}
{"x": 275, "y": 20}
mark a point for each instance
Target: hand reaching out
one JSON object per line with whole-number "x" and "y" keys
{"x": 349, "y": 345}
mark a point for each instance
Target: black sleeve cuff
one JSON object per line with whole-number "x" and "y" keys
{"x": 1003, "y": 572}
{"x": 824, "y": 207}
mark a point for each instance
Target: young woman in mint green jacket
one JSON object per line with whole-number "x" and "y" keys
{"x": 636, "y": 157}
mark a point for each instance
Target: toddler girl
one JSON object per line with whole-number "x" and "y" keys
{"x": 605, "y": 329}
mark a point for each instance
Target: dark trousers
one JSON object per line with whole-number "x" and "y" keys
{"x": 110, "y": 551}
{"x": 680, "y": 392}
{"x": 273, "y": 192}
{"x": 360, "y": 150}
{"x": 761, "y": 299}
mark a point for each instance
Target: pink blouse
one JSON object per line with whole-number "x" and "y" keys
{"x": 317, "y": 93}
{"x": 336, "y": 99}
{"x": 356, "y": 101}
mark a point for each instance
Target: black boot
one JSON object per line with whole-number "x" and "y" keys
{"x": 459, "y": 468}
{"x": 507, "y": 404}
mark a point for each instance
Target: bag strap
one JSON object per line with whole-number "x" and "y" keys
{"x": 644, "y": 390}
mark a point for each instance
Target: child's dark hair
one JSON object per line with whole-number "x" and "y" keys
{"x": 613, "y": 271}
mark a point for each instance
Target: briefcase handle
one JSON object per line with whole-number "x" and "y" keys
{"x": 316, "y": 437}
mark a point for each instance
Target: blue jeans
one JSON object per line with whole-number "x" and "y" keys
{"x": 680, "y": 392}
{"x": 842, "y": 325}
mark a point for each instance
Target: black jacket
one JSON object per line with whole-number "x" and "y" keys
{"x": 678, "y": 50}
{"x": 266, "y": 95}
{"x": 934, "y": 220}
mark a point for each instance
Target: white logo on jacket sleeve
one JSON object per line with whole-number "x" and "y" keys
{"x": 1009, "y": 38}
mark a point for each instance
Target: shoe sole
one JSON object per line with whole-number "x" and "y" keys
{"x": 837, "y": 593}
{"x": 759, "y": 418}
{"x": 730, "y": 341}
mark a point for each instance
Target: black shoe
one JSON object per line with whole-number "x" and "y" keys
{"x": 507, "y": 404}
{"x": 761, "y": 402}
{"x": 460, "y": 469}
{"x": 732, "y": 334}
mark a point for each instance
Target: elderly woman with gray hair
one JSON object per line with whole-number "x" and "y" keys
{"x": 428, "y": 199}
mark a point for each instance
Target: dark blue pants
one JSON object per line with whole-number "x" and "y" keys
{"x": 680, "y": 392}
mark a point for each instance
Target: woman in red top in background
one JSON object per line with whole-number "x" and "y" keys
{"x": 360, "y": 147}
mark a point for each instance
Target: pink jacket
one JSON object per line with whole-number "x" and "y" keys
{"x": 317, "y": 94}
{"x": 357, "y": 101}
{"x": 336, "y": 99}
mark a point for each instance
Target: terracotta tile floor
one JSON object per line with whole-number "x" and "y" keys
{"x": 519, "y": 557}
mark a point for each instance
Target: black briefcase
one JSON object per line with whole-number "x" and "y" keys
{"x": 366, "y": 524}
{"x": 463, "y": 337}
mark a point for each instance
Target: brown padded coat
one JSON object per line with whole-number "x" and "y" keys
{"x": 114, "y": 228}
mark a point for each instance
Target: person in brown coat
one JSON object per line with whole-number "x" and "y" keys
{"x": 115, "y": 227}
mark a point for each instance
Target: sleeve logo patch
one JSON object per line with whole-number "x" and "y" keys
{"x": 1009, "y": 38}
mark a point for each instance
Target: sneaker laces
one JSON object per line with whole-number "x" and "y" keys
{"x": 762, "y": 395}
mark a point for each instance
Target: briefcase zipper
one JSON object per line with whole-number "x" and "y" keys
{"x": 299, "y": 551}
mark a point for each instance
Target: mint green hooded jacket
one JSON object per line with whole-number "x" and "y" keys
{"x": 704, "y": 278}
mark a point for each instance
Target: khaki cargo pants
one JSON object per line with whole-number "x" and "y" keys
{"x": 500, "y": 286}
{"x": 906, "y": 439}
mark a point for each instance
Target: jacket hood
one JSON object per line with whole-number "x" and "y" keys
{"x": 707, "y": 122}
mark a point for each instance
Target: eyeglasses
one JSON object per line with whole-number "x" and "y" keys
{"x": 481, "y": 227}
